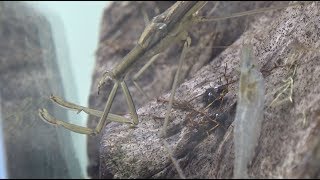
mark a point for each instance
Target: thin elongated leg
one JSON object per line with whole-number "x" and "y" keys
{"x": 246, "y": 13}
{"x": 174, "y": 161}
{"x": 103, "y": 120}
{"x": 132, "y": 108}
{"x": 169, "y": 107}
{"x": 175, "y": 84}
{"x": 93, "y": 112}
{"x": 43, "y": 113}
{"x": 139, "y": 73}
{"x": 84, "y": 130}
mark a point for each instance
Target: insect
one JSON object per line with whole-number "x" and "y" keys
{"x": 163, "y": 30}
{"x": 213, "y": 96}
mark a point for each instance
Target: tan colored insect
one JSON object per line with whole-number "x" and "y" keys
{"x": 162, "y": 31}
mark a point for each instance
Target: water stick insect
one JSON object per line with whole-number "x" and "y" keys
{"x": 164, "y": 30}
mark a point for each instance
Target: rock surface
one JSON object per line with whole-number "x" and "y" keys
{"x": 28, "y": 75}
{"x": 284, "y": 42}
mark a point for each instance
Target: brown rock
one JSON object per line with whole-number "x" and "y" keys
{"x": 278, "y": 37}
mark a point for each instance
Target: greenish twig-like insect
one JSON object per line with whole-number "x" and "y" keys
{"x": 163, "y": 30}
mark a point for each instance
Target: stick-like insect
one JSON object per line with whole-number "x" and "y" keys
{"x": 162, "y": 31}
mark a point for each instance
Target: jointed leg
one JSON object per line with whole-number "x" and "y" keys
{"x": 105, "y": 116}
{"x": 84, "y": 130}
{"x": 93, "y": 112}
{"x": 103, "y": 120}
{"x": 72, "y": 106}
{"x": 174, "y": 161}
{"x": 173, "y": 90}
{"x": 130, "y": 103}
{"x": 75, "y": 128}
{"x": 142, "y": 70}
{"x": 175, "y": 84}
{"x": 246, "y": 13}
{"x": 72, "y": 127}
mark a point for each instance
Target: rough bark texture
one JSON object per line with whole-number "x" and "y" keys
{"x": 121, "y": 27}
{"x": 287, "y": 147}
{"x": 28, "y": 75}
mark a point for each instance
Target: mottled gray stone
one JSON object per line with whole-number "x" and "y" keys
{"x": 122, "y": 25}
{"x": 288, "y": 145}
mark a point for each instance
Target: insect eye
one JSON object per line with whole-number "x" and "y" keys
{"x": 212, "y": 96}
{"x": 209, "y": 96}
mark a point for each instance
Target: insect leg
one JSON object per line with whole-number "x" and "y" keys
{"x": 246, "y": 13}
{"x": 175, "y": 82}
{"x": 43, "y": 113}
{"x": 142, "y": 70}
{"x": 130, "y": 103}
{"x": 93, "y": 112}
{"x": 103, "y": 120}
{"x": 186, "y": 45}
{"x": 104, "y": 116}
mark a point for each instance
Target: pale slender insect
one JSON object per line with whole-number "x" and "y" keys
{"x": 163, "y": 30}
{"x": 249, "y": 112}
